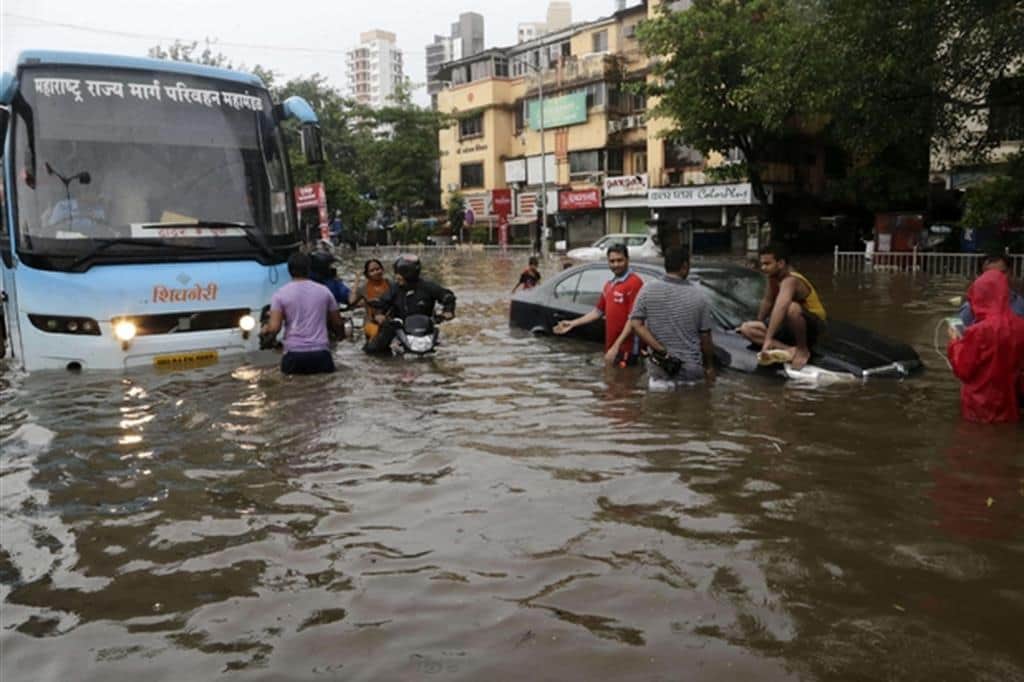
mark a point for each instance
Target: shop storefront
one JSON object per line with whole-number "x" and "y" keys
{"x": 710, "y": 218}
{"x": 581, "y": 216}
{"x": 625, "y": 203}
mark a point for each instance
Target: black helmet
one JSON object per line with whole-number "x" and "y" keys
{"x": 408, "y": 266}
{"x": 320, "y": 265}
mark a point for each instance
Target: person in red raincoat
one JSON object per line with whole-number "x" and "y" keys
{"x": 989, "y": 358}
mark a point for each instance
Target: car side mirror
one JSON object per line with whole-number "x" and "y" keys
{"x": 312, "y": 144}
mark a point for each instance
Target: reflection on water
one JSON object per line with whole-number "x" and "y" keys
{"x": 511, "y": 509}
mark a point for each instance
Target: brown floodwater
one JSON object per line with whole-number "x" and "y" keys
{"x": 510, "y": 510}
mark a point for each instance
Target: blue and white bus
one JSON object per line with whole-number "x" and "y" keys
{"x": 147, "y": 209}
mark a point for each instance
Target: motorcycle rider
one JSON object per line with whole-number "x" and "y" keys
{"x": 324, "y": 272}
{"x": 410, "y": 295}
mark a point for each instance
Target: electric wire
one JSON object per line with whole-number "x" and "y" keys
{"x": 38, "y": 21}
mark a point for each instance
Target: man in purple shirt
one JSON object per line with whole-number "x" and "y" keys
{"x": 305, "y": 308}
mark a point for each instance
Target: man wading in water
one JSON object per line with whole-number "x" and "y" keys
{"x": 791, "y": 318}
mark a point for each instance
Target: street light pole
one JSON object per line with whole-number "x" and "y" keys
{"x": 543, "y": 169}
{"x": 544, "y": 235}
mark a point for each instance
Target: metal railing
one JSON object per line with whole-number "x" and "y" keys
{"x": 394, "y": 250}
{"x": 963, "y": 264}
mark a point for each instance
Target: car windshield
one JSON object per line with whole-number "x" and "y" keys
{"x": 734, "y": 294}
{"x": 628, "y": 240}
{"x": 107, "y": 154}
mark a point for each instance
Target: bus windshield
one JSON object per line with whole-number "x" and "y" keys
{"x": 114, "y": 157}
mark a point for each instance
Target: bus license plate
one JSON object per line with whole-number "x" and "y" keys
{"x": 199, "y": 358}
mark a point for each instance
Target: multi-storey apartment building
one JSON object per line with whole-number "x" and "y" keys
{"x": 374, "y": 68}
{"x": 465, "y": 40}
{"x": 594, "y": 124}
{"x": 608, "y": 166}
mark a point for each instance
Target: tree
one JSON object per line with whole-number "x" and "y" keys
{"x": 897, "y": 79}
{"x": 456, "y": 213}
{"x": 186, "y": 52}
{"x": 404, "y": 156}
{"x": 997, "y": 201}
{"x": 878, "y": 81}
{"x": 727, "y": 76}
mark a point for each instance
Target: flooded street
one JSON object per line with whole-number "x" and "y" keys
{"x": 510, "y": 510}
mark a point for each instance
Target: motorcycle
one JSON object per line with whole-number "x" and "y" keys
{"x": 416, "y": 334}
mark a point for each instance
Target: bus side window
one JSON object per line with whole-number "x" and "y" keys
{"x": 5, "y": 237}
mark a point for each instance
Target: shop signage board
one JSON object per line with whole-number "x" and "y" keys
{"x": 561, "y": 111}
{"x": 626, "y": 186}
{"x": 501, "y": 202}
{"x": 740, "y": 194}
{"x": 579, "y": 200}
{"x": 314, "y": 196}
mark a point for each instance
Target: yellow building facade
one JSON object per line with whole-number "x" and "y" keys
{"x": 603, "y": 159}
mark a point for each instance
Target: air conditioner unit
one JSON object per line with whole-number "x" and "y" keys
{"x": 453, "y": 186}
{"x": 614, "y": 126}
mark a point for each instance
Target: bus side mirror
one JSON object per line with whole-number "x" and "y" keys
{"x": 312, "y": 144}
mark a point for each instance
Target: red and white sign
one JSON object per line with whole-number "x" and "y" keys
{"x": 579, "y": 199}
{"x": 527, "y": 202}
{"x": 314, "y": 196}
{"x": 479, "y": 204}
{"x": 501, "y": 202}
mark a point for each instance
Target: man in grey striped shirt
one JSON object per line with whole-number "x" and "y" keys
{"x": 672, "y": 317}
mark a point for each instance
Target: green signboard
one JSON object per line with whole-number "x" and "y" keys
{"x": 561, "y": 111}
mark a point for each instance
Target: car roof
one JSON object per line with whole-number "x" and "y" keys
{"x": 655, "y": 268}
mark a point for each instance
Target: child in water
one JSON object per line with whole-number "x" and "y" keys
{"x": 530, "y": 277}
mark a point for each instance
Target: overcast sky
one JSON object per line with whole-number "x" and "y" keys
{"x": 292, "y": 38}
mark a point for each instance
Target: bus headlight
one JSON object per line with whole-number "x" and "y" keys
{"x": 125, "y": 331}
{"x": 246, "y": 323}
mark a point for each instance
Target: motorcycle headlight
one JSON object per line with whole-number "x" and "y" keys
{"x": 420, "y": 344}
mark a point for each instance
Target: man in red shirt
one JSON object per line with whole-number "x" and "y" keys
{"x": 616, "y": 303}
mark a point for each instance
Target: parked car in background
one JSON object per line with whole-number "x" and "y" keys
{"x": 639, "y": 245}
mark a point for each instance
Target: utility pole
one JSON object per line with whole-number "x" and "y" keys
{"x": 544, "y": 235}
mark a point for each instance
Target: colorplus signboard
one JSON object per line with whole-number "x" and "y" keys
{"x": 561, "y": 111}
{"x": 741, "y": 194}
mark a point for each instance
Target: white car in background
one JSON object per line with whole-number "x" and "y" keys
{"x": 639, "y": 245}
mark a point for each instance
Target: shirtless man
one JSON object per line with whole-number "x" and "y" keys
{"x": 791, "y": 318}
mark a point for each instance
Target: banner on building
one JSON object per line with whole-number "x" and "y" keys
{"x": 515, "y": 171}
{"x": 561, "y": 111}
{"x": 501, "y": 202}
{"x": 740, "y": 194}
{"x": 480, "y": 204}
{"x": 626, "y": 186}
{"x": 579, "y": 199}
{"x": 313, "y": 196}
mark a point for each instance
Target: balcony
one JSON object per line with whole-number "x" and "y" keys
{"x": 590, "y": 67}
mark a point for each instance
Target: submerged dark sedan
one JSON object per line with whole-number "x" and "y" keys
{"x": 734, "y": 294}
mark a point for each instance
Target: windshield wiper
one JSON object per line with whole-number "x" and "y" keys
{"x": 104, "y": 244}
{"x": 252, "y": 233}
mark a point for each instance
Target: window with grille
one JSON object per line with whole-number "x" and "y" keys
{"x": 471, "y": 175}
